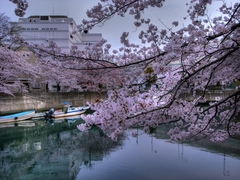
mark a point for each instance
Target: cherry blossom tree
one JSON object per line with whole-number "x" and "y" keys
{"x": 143, "y": 88}
{"x": 12, "y": 64}
{"x": 9, "y": 32}
{"x": 208, "y": 53}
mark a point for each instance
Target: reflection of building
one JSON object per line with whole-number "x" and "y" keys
{"x": 39, "y": 29}
{"x": 50, "y": 152}
{"x": 37, "y": 145}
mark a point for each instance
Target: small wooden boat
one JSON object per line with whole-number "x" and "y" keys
{"x": 17, "y": 116}
{"x": 67, "y": 111}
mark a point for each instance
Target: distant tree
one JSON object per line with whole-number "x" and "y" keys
{"x": 9, "y": 32}
{"x": 207, "y": 51}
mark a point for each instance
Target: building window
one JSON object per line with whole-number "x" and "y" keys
{"x": 30, "y": 29}
{"x": 36, "y": 85}
{"x": 44, "y": 18}
{"x": 47, "y": 29}
{"x": 26, "y": 55}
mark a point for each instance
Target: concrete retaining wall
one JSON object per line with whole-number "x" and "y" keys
{"x": 44, "y": 100}
{"x": 210, "y": 95}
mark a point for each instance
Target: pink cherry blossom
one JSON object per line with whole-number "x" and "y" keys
{"x": 145, "y": 82}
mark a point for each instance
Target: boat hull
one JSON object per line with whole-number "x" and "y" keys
{"x": 17, "y": 116}
{"x": 62, "y": 114}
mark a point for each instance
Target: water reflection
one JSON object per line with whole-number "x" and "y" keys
{"x": 50, "y": 150}
{"x": 152, "y": 157}
{"x": 55, "y": 149}
{"x": 230, "y": 147}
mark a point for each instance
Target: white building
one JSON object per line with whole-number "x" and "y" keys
{"x": 39, "y": 29}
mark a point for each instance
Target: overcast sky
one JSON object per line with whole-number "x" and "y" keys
{"x": 112, "y": 29}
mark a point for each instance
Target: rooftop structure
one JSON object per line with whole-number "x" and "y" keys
{"x": 40, "y": 29}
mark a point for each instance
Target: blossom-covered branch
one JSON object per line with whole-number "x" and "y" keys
{"x": 22, "y": 6}
{"x": 207, "y": 52}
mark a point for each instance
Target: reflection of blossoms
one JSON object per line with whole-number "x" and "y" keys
{"x": 134, "y": 134}
{"x": 83, "y": 127}
{"x": 114, "y": 135}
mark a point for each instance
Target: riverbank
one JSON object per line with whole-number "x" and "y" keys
{"x": 41, "y": 101}
{"x": 45, "y": 100}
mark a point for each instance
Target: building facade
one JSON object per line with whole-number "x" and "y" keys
{"x": 40, "y": 29}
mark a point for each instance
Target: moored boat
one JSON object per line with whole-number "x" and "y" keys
{"x": 68, "y": 110}
{"x": 72, "y": 112}
{"x": 17, "y": 116}
{"x": 38, "y": 116}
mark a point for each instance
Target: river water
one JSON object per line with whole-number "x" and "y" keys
{"x": 56, "y": 150}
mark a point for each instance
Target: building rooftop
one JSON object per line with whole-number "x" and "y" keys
{"x": 46, "y": 18}
{"x": 52, "y": 16}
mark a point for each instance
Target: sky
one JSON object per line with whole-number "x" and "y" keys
{"x": 173, "y": 10}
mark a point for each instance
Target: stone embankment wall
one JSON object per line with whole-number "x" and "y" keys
{"x": 45, "y": 100}
{"x": 210, "y": 95}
